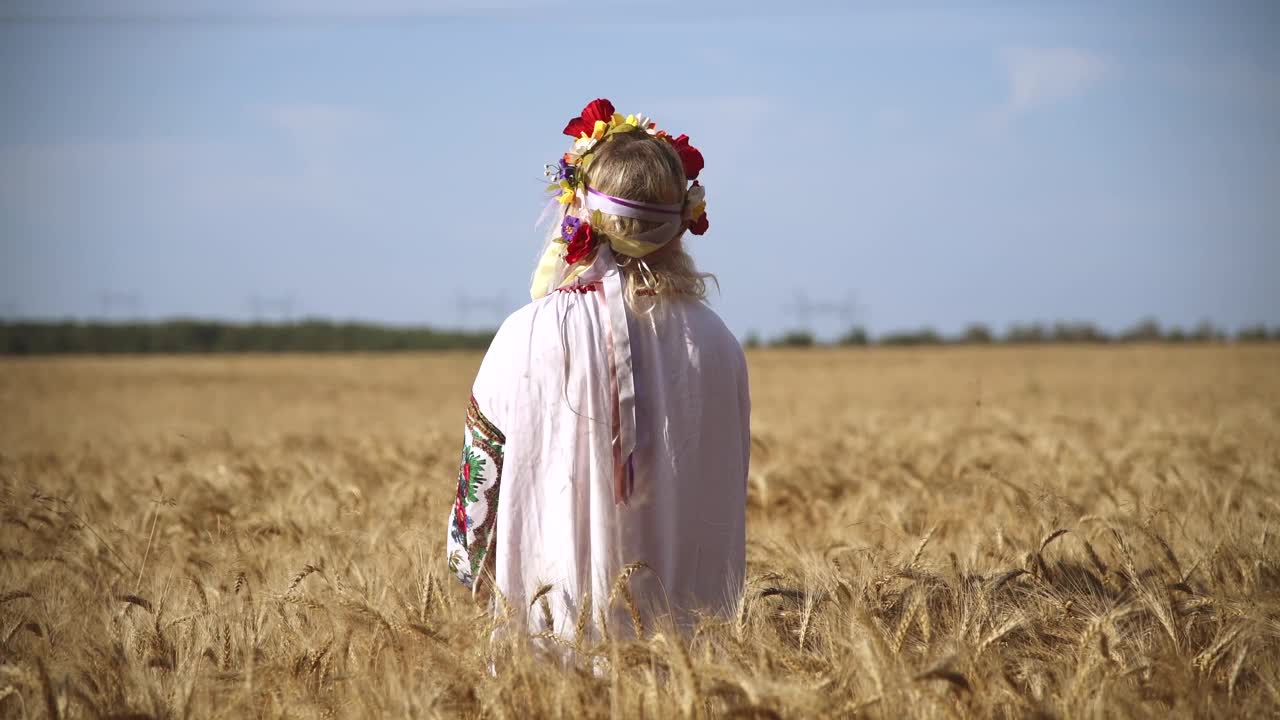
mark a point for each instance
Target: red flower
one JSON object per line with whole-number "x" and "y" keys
{"x": 580, "y": 244}
{"x": 460, "y": 509}
{"x": 689, "y": 156}
{"x": 700, "y": 225}
{"x": 598, "y": 109}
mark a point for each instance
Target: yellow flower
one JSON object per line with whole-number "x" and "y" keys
{"x": 598, "y": 131}
{"x": 566, "y": 192}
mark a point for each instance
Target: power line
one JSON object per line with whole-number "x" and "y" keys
{"x": 494, "y": 307}
{"x": 804, "y": 310}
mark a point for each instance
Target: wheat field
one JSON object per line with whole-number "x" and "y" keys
{"x": 959, "y": 532}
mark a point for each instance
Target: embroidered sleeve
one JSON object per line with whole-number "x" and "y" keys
{"x": 475, "y": 504}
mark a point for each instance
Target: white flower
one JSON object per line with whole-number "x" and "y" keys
{"x": 695, "y": 202}
{"x": 644, "y": 121}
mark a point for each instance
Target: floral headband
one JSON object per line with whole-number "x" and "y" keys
{"x": 597, "y": 123}
{"x": 573, "y": 262}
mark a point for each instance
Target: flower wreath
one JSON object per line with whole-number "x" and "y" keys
{"x": 597, "y": 123}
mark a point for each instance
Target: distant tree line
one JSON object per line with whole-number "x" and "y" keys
{"x": 1146, "y": 331}
{"x": 199, "y": 336}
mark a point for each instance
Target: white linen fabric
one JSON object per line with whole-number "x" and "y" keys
{"x": 536, "y": 499}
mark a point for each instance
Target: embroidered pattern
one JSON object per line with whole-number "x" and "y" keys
{"x": 580, "y": 289}
{"x": 475, "y": 504}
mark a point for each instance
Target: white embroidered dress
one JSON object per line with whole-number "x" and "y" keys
{"x": 537, "y": 501}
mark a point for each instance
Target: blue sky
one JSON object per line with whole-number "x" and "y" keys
{"x": 925, "y": 164}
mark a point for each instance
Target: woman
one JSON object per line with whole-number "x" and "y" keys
{"x": 608, "y": 427}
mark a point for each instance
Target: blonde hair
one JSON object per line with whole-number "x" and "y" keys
{"x": 638, "y": 166}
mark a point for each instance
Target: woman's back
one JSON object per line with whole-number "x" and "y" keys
{"x": 545, "y": 383}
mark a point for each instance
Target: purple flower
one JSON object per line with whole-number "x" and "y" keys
{"x": 569, "y": 228}
{"x": 565, "y": 172}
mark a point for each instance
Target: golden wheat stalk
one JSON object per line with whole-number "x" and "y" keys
{"x": 541, "y": 595}
{"x": 621, "y": 587}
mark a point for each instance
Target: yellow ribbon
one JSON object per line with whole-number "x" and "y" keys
{"x": 549, "y": 267}
{"x": 632, "y": 248}
{"x": 546, "y": 271}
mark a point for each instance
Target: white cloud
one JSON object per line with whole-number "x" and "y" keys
{"x": 1043, "y": 76}
{"x": 1039, "y": 77}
